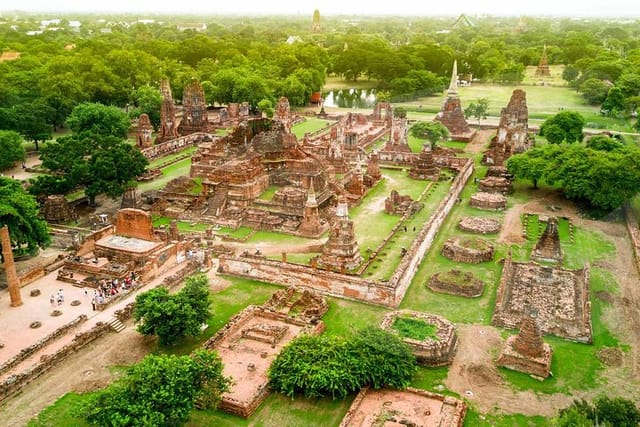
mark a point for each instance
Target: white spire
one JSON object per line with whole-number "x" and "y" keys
{"x": 453, "y": 86}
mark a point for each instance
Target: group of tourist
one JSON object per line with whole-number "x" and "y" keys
{"x": 109, "y": 289}
{"x": 58, "y": 298}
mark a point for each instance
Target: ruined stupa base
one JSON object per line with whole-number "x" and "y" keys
{"x": 538, "y": 367}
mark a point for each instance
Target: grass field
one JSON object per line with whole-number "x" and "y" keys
{"x": 310, "y": 125}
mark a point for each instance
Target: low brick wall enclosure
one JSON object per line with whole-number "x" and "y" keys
{"x": 634, "y": 232}
{"x": 26, "y": 352}
{"x": 464, "y": 285}
{"x": 438, "y": 351}
{"x": 414, "y": 407}
{"x": 325, "y": 282}
{"x": 469, "y": 250}
{"x": 247, "y": 357}
{"x": 15, "y": 383}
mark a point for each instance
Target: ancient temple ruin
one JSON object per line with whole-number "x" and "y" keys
{"x": 548, "y": 246}
{"x": 397, "y": 149}
{"x": 543, "y": 66}
{"x": 559, "y": 296}
{"x": 513, "y": 131}
{"x": 396, "y": 204}
{"x": 341, "y": 252}
{"x": 56, "y": 209}
{"x": 451, "y": 114}
{"x": 10, "y": 268}
{"x": 194, "y": 110}
{"x": 144, "y": 131}
{"x": 168, "y": 124}
{"x": 424, "y": 167}
{"x": 526, "y": 352}
{"x": 131, "y": 198}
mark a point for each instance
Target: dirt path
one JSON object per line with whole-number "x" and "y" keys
{"x": 479, "y": 141}
{"x": 474, "y": 376}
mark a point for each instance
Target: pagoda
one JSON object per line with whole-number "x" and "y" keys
{"x": 341, "y": 252}
{"x": 452, "y": 115}
{"x": 543, "y": 66}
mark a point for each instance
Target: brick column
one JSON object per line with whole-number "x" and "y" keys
{"x": 10, "y": 268}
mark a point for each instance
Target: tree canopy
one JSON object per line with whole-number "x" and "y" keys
{"x": 173, "y": 317}
{"x": 12, "y": 149}
{"x": 94, "y": 119}
{"x": 433, "y": 132}
{"x": 477, "y": 109}
{"x": 19, "y": 211}
{"x": 605, "y": 411}
{"x": 602, "y": 179}
{"x": 318, "y": 366}
{"x": 159, "y": 391}
{"x": 564, "y": 126}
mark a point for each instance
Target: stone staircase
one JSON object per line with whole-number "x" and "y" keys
{"x": 217, "y": 202}
{"x": 116, "y": 324}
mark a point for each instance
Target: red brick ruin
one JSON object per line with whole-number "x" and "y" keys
{"x": 10, "y": 268}
{"x": 168, "y": 125}
{"x": 341, "y": 252}
{"x": 451, "y": 115}
{"x": 194, "y": 110}
{"x": 548, "y": 246}
{"x": 513, "y": 131}
{"x": 526, "y": 352}
{"x": 543, "y": 66}
{"x": 143, "y": 134}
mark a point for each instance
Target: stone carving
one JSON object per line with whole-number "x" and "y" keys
{"x": 526, "y": 352}
{"x": 57, "y": 210}
{"x": 194, "y": 113}
{"x": 543, "y": 66}
{"x": 341, "y": 251}
{"x": 451, "y": 114}
{"x": 488, "y": 201}
{"x": 432, "y": 351}
{"x": 470, "y": 250}
{"x": 548, "y": 246}
{"x": 480, "y": 225}
{"x": 168, "y": 125}
{"x": 559, "y": 296}
{"x": 143, "y": 134}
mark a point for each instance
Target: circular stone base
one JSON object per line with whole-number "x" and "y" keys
{"x": 456, "y": 282}
{"x": 56, "y": 313}
{"x": 75, "y": 302}
{"x": 488, "y": 201}
{"x": 35, "y": 325}
{"x": 470, "y": 250}
{"x": 480, "y": 225}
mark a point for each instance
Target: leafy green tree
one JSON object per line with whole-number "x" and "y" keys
{"x": 433, "y": 132}
{"x": 605, "y": 411}
{"x": 570, "y": 74}
{"x": 400, "y": 112}
{"x": 33, "y": 121}
{"x": 160, "y": 390}
{"x": 477, "y": 109}
{"x": 594, "y": 91}
{"x": 604, "y": 143}
{"x": 318, "y": 366}
{"x": 614, "y": 103}
{"x": 571, "y": 124}
{"x": 173, "y": 317}
{"x": 91, "y": 119}
{"x": 19, "y": 211}
{"x": 147, "y": 99}
{"x": 11, "y": 148}
{"x": 266, "y": 106}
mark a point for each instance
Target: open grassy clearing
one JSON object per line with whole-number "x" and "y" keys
{"x": 184, "y": 226}
{"x": 415, "y": 329}
{"x": 166, "y": 159}
{"x": 169, "y": 173}
{"x": 312, "y": 124}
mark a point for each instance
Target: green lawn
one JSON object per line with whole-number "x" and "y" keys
{"x": 184, "y": 226}
{"x": 169, "y": 173}
{"x": 269, "y": 193}
{"x": 166, "y": 159}
{"x": 312, "y": 124}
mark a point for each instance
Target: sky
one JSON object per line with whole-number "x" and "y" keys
{"x": 582, "y": 8}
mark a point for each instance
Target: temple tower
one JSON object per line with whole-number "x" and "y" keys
{"x": 194, "y": 113}
{"x": 452, "y": 115}
{"x": 10, "y": 268}
{"x": 424, "y": 167}
{"x": 548, "y": 246}
{"x": 311, "y": 216}
{"x": 131, "y": 198}
{"x": 143, "y": 134}
{"x": 543, "y": 66}
{"x": 526, "y": 352}
{"x": 315, "y": 27}
{"x": 167, "y": 114}
{"x": 341, "y": 252}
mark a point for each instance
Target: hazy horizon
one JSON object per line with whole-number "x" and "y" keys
{"x": 586, "y": 8}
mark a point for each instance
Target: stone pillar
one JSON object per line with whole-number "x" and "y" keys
{"x": 10, "y": 268}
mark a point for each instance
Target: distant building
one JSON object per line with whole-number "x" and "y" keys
{"x": 293, "y": 39}
{"x": 315, "y": 27}
{"x": 195, "y": 27}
